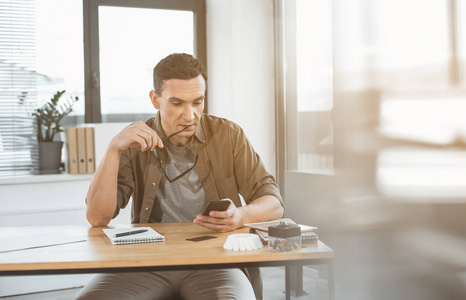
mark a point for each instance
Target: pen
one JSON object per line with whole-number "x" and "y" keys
{"x": 129, "y": 233}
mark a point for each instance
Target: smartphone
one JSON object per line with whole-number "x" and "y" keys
{"x": 221, "y": 205}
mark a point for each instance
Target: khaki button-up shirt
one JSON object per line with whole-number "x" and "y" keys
{"x": 227, "y": 166}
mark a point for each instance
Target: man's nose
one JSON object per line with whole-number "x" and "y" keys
{"x": 189, "y": 112}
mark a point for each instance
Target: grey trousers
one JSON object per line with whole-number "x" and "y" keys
{"x": 185, "y": 285}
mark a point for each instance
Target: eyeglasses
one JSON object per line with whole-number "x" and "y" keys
{"x": 160, "y": 162}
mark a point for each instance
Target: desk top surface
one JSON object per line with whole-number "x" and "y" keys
{"x": 99, "y": 253}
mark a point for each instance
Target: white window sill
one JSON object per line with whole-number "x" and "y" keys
{"x": 44, "y": 178}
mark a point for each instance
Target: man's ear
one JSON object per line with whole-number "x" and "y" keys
{"x": 154, "y": 97}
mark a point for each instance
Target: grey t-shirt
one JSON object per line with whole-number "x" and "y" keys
{"x": 184, "y": 199}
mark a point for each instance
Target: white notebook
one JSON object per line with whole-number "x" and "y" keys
{"x": 145, "y": 237}
{"x": 264, "y": 226}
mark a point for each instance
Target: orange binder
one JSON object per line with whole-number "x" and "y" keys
{"x": 90, "y": 153}
{"x": 71, "y": 134}
{"x": 81, "y": 141}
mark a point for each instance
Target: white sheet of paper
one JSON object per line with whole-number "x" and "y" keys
{"x": 264, "y": 226}
{"x": 37, "y": 240}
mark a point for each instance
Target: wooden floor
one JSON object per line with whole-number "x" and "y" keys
{"x": 273, "y": 278}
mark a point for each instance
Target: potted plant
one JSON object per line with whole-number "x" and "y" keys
{"x": 48, "y": 118}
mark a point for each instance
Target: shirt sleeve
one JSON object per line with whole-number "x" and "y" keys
{"x": 125, "y": 181}
{"x": 252, "y": 178}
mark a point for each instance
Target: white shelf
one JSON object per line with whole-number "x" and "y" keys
{"x": 44, "y": 178}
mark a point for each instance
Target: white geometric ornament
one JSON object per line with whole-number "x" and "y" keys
{"x": 242, "y": 242}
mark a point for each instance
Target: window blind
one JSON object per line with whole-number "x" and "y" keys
{"x": 18, "y": 88}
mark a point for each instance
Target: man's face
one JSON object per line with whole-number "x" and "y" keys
{"x": 181, "y": 105}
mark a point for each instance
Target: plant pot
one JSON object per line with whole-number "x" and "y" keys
{"x": 50, "y": 157}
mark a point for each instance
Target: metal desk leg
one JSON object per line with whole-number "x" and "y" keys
{"x": 331, "y": 281}
{"x": 297, "y": 281}
{"x": 287, "y": 282}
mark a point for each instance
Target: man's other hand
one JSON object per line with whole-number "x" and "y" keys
{"x": 222, "y": 221}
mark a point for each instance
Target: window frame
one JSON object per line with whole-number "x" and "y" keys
{"x": 286, "y": 91}
{"x": 91, "y": 43}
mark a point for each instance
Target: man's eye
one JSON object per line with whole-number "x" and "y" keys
{"x": 176, "y": 103}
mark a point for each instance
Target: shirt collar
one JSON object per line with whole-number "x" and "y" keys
{"x": 156, "y": 124}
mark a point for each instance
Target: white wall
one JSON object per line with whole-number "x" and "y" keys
{"x": 240, "y": 69}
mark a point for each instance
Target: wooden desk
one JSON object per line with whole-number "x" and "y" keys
{"x": 98, "y": 255}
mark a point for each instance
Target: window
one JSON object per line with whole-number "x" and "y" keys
{"x": 314, "y": 76}
{"x": 59, "y": 50}
{"x": 37, "y": 58}
{"x": 120, "y": 55}
{"x": 307, "y": 46}
{"x": 390, "y": 76}
{"x": 129, "y": 50}
{"x": 18, "y": 83}
{"x": 406, "y": 60}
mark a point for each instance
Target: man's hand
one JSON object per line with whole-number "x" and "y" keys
{"x": 136, "y": 135}
{"x": 222, "y": 221}
{"x": 262, "y": 209}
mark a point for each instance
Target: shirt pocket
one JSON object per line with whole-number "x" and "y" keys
{"x": 227, "y": 189}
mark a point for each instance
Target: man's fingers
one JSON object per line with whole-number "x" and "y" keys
{"x": 156, "y": 141}
{"x": 137, "y": 135}
{"x": 216, "y": 221}
{"x": 146, "y": 140}
{"x": 153, "y": 142}
{"x": 217, "y": 227}
{"x": 226, "y": 213}
{"x": 222, "y": 214}
{"x": 150, "y": 137}
{"x": 142, "y": 143}
{"x": 148, "y": 134}
{"x": 160, "y": 143}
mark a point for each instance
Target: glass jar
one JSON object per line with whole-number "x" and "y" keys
{"x": 284, "y": 237}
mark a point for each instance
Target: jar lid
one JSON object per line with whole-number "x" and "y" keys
{"x": 285, "y": 230}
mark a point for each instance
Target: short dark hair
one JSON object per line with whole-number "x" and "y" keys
{"x": 177, "y": 66}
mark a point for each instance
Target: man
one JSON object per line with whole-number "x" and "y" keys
{"x": 173, "y": 165}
